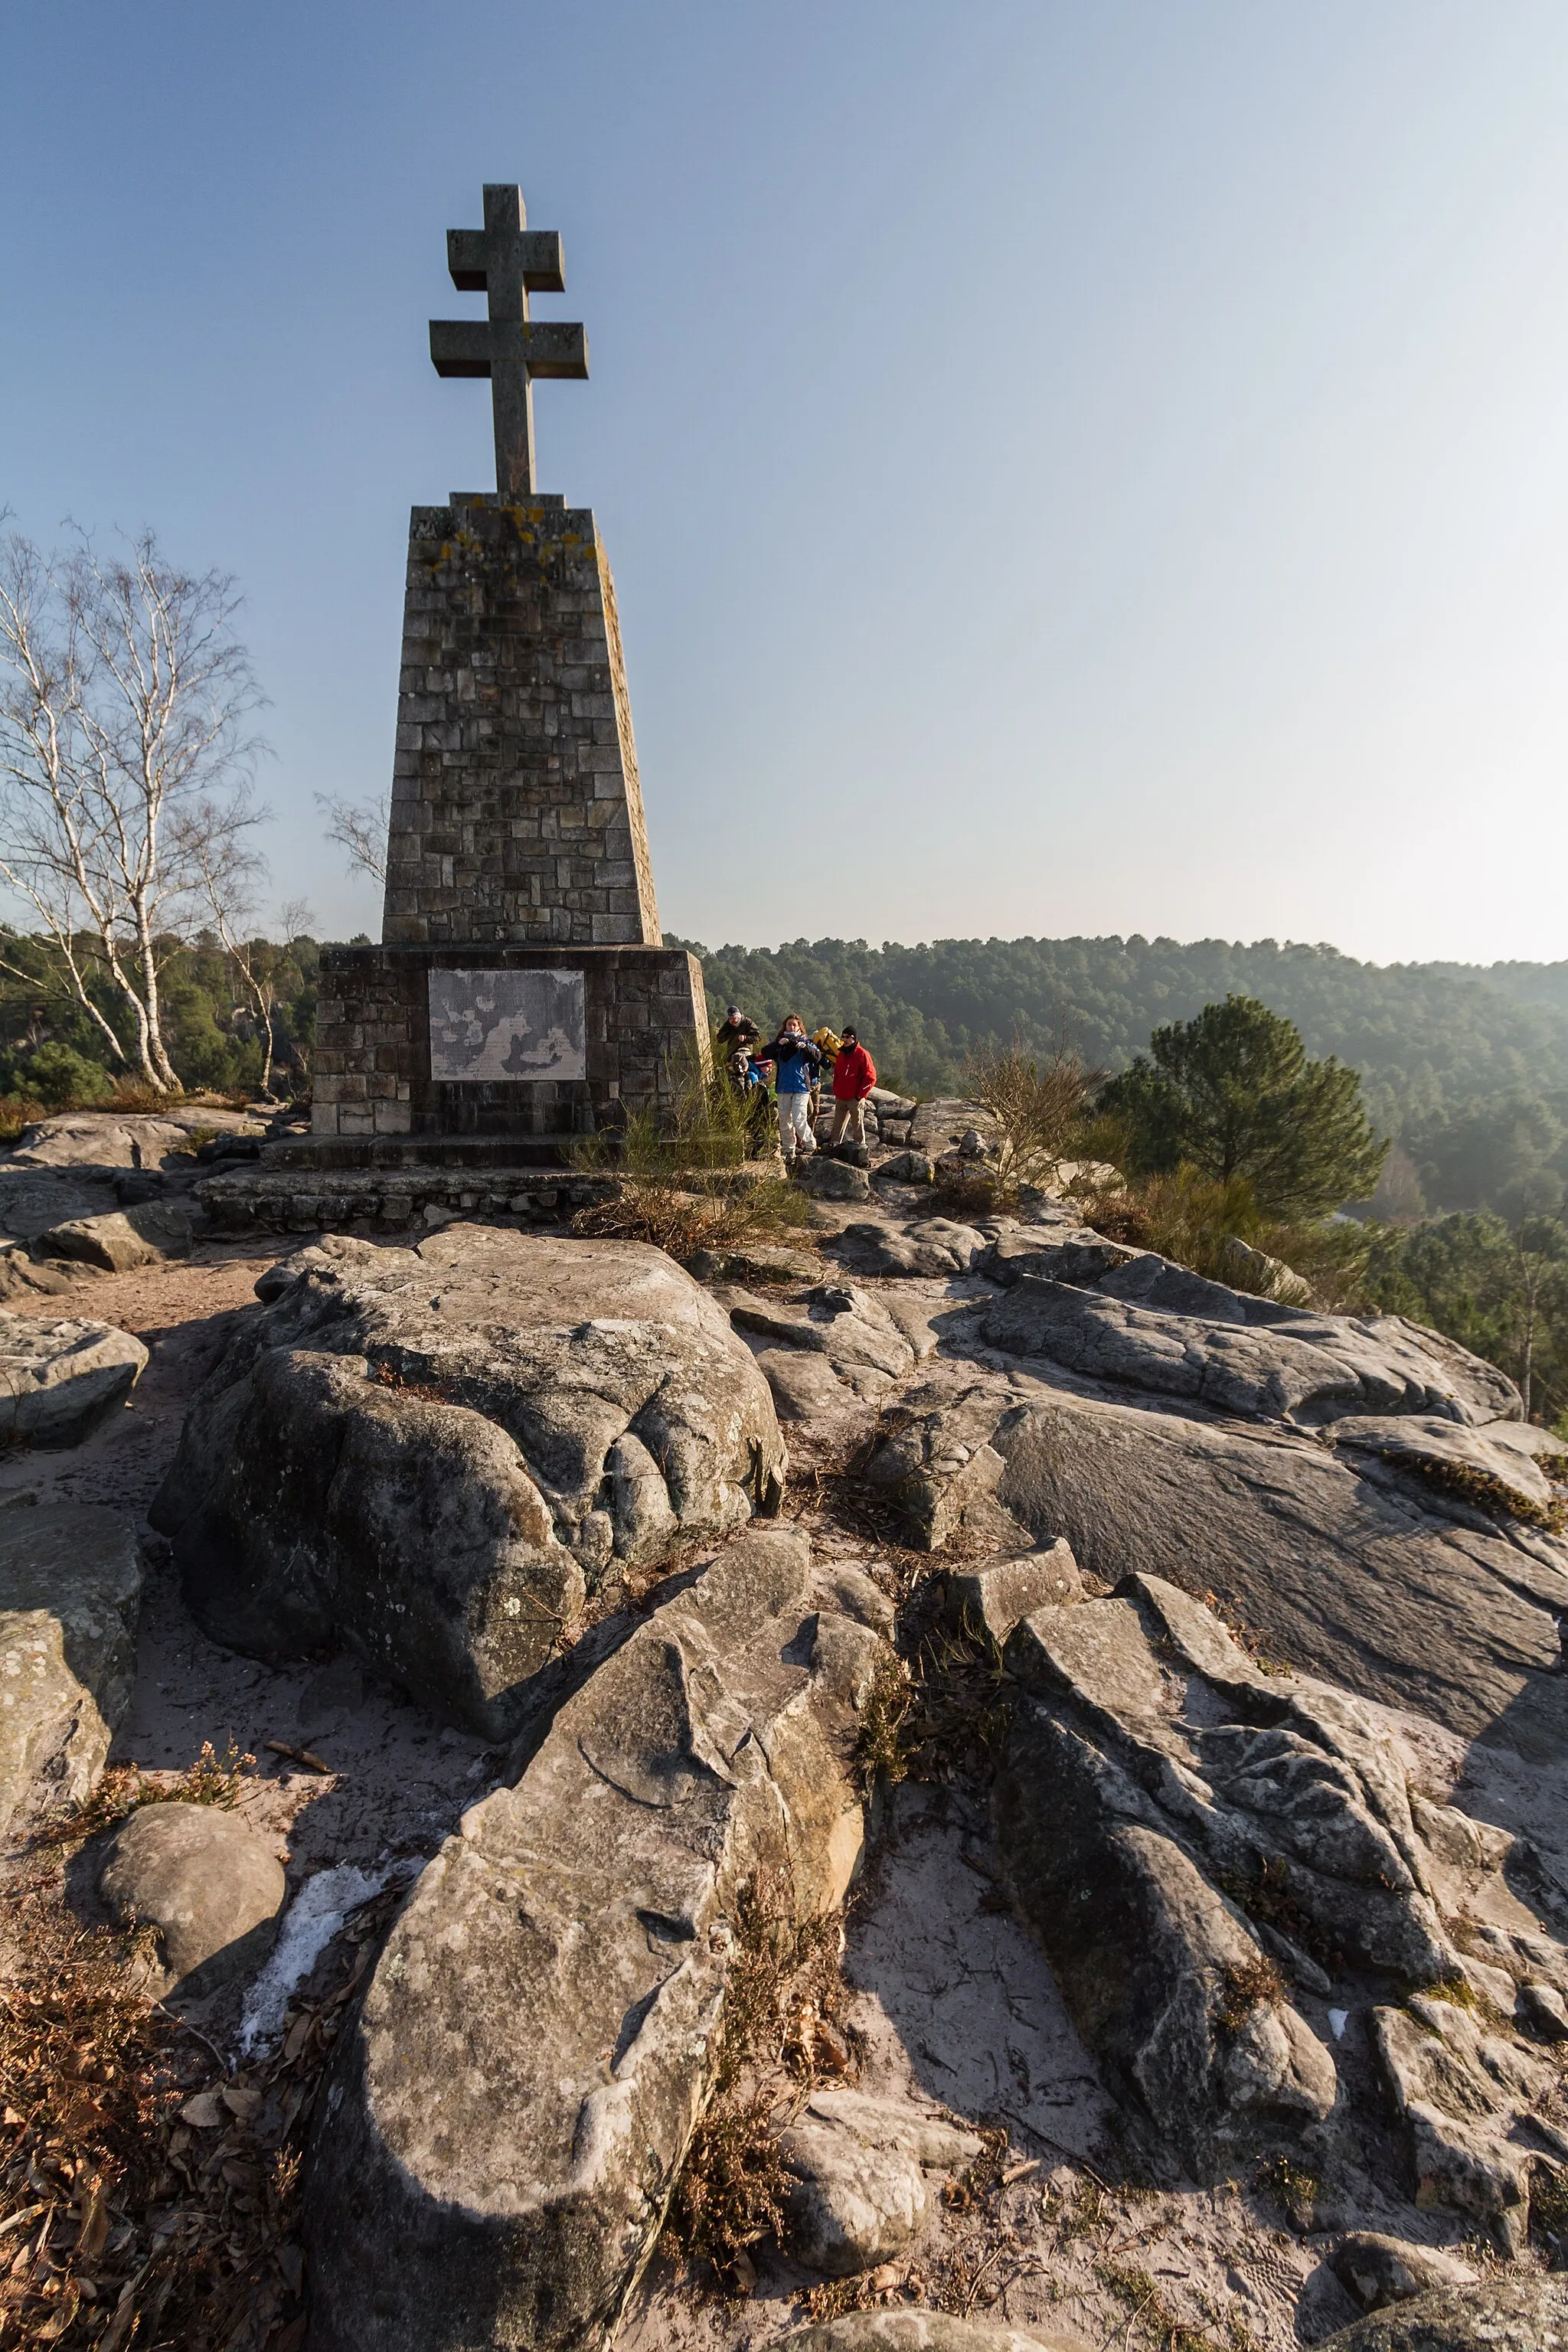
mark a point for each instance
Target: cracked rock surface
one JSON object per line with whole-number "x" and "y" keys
{"x": 1200, "y": 1846}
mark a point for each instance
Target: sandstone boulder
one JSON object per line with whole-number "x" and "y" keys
{"x": 863, "y": 2170}
{"x": 1375, "y": 2271}
{"x": 123, "y": 1238}
{"x": 863, "y": 1344}
{"x": 926, "y": 2331}
{"x": 935, "y": 1467}
{"x": 58, "y": 1380}
{"x": 804, "y": 1384}
{"x": 1511, "y": 2313}
{"x": 994, "y": 1599}
{"x": 833, "y": 1179}
{"x": 107, "y": 1139}
{"x": 906, "y": 1168}
{"x": 207, "y": 1881}
{"x": 429, "y": 1454}
{"x": 70, "y": 1594}
{"x": 934, "y": 1246}
{"x": 538, "y": 2039}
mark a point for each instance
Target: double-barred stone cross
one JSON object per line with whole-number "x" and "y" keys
{"x": 507, "y": 261}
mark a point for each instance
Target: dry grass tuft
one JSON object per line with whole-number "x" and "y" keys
{"x": 1248, "y": 1985}
{"x": 1035, "y": 1106}
{"x": 666, "y": 1210}
{"x": 212, "y": 1780}
{"x": 783, "y": 2030}
{"x": 149, "y": 2199}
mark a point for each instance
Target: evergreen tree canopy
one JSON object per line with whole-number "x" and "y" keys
{"x": 1233, "y": 1094}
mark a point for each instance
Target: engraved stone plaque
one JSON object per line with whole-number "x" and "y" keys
{"x": 508, "y": 1025}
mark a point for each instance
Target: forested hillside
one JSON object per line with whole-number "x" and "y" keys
{"x": 1467, "y": 1067}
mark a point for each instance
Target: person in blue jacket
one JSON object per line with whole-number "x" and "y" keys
{"x": 795, "y": 1061}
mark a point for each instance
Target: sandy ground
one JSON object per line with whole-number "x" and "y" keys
{"x": 952, "y": 2003}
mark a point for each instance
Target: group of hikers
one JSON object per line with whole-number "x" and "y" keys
{"x": 791, "y": 1068}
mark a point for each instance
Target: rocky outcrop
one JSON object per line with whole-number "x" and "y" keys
{"x": 116, "y": 1140}
{"x": 432, "y": 1455}
{"x": 864, "y": 1347}
{"x": 930, "y": 1246}
{"x": 1511, "y": 2313}
{"x": 58, "y": 1380}
{"x": 1153, "y": 1327}
{"x": 208, "y": 1885}
{"x": 538, "y": 2036}
{"x": 1190, "y": 1837}
{"x": 70, "y": 1595}
{"x": 1483, "y": 2117}
{"x": 867, "y": 2175}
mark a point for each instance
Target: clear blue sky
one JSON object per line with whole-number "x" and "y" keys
{"x": 1066, "y": 468}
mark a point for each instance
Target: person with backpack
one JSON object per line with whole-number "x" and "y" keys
{"x": 853, "y": 1075}
{"x": 737, "y": 1030}
{"x": 795, "y": 1060}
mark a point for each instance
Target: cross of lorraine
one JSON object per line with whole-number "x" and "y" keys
{"x": 507, "y": 261}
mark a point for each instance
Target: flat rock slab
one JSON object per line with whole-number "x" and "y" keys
{"x": 58, "y": 1380}
{"x": 431, "y": 1454}
{"x": 207, "y": 1881}
{"x": 116, "y": 1140}
{"x": 1309, "y": 1369}
{"x": 1504, "y": 2314}
{"x": 1349, "y": 1575}
{"x": 537, "y": 2042}
{"x": 70, "y": 1595}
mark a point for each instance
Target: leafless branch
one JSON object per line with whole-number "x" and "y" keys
{"x": 359, "y": 827}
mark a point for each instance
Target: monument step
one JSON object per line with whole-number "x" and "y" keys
{"x": 324, "y": 1152}
{"x": 258, "y": 1199}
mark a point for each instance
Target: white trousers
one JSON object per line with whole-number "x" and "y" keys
{"x": 795, "y": 1126}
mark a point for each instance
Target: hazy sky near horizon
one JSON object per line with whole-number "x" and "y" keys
{"x": 1092, "y": 468}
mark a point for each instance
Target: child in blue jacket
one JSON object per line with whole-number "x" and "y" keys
{"x": 797, "y": 1061}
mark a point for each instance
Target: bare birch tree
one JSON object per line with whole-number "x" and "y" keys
{"x": 125, "y": 773}
{"x": 360, "y": 829}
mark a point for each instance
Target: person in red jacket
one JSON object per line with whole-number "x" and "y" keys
{"x": 853, "y": 1075}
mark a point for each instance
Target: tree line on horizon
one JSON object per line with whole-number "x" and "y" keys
{"x": 1464, "y": 1067}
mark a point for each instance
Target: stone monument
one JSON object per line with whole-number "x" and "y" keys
{"x": 521, "y": 994}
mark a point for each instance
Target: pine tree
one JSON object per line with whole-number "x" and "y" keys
{"x": 1233, "y": 1094}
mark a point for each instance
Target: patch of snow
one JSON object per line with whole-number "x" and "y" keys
{"x": 310, "y": 1922}
{"x": 1339, "y": 2019}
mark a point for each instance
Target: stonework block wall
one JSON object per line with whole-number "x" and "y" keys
{"x": 644, "y": 1005}
{"x": 517, "y": 813}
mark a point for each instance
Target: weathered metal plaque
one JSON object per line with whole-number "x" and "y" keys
{"x": 508, "y": 1025}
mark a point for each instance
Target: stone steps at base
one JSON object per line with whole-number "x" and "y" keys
{"x": 261, "y": 1200}
{"x": 321, "y": 1153}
